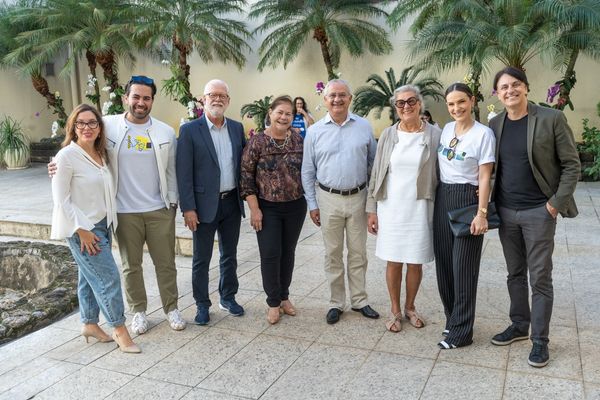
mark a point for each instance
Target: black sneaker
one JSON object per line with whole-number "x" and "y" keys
{"x": 510, "y": 334}
{"x": 539, "y": 355}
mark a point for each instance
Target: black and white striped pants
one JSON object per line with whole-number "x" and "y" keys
{"x": 456, "y": 263}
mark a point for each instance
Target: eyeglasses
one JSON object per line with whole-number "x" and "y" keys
{"x": 412, "y": 101}
{"x": 81, "y": 125}
{"x": 452, "y": 151}
{"x": 338, "y": 95}
{"x": 141, "y": 79}
{"x": 514, "y": 85}
{"x": 215, "y": 96}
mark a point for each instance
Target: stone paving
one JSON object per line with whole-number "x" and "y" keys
{"x": 302, "y": 357}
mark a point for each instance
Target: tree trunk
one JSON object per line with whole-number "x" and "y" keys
{"x": 321, "y": 36}
{"x": 183, "y": 52}
{"x": 476, "y": 92}
{"x": 109, "y": 67}
{"x": 41, "y": 86}
{"x": 91, "y": 59}
{"x": 568, "y": 82}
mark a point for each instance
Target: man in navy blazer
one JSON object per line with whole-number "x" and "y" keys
{"x": 209, "y": 152}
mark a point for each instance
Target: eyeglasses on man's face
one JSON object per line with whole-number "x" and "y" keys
{"x": 217, "y": 96}
{"x": 513, "y": 85}
{"x": 411, "y": 101}
{"x": 338, "y": 95}
{"x": 90, "y": 124}
{"x": 141, "y": 79}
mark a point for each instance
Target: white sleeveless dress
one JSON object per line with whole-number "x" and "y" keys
{"x": 405, "y": 223}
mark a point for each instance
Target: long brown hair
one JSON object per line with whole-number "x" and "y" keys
{"x": 71, "y": 135}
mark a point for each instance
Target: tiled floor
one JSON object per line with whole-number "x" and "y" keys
{"x": 304, "y": 358}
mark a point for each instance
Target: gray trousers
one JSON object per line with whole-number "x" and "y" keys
{"x": 527, "y": 238}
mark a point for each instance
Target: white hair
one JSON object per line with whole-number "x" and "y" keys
{"x": 214, "y": 82}
{"x": 331, "y": 82}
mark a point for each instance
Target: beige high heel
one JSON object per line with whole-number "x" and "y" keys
{"x": 97, "y": 334}
{"x": 288, "y": 308}
{"x": 273, "y": 315}
{"x": 132, "y": 348}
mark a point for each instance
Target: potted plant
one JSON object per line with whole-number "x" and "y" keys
{"x": 14, "y": 145}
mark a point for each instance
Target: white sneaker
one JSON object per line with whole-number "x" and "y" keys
{"x": 176, "y": 320}
{"x": 139, "y": 323}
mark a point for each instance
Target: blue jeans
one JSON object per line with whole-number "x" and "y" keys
{"x": 99, "y": 286}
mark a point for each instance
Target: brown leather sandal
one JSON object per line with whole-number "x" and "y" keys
{"x": 394, "y": 324}
{"x": 414, "y": 318}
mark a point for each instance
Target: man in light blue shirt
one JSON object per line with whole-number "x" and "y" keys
{"x": 339, "y": 151}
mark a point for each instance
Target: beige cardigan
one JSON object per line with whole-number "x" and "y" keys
{"x": 427, "y": 179}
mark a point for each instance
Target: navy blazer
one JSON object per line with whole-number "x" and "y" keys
{"x": 198, "y": 172}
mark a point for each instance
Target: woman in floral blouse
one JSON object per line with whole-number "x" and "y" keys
{"x": 271, "y": 184}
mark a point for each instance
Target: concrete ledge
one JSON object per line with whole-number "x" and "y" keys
{"x": 183, "y": 245}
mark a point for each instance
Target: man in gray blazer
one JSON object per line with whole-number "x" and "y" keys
{"x": 208, "y": 159}
{"x": 538, "y": 168}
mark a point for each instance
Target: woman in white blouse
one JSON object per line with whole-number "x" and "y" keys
{"x": 84, "y": 213}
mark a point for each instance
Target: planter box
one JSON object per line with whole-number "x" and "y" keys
{"x": 44, "y": 151}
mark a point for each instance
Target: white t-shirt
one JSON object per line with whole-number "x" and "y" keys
{"x": 476, "y": 147}
{"x": 139, "y": 183}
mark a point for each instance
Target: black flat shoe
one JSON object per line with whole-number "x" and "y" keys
{"x": 333, "y": 315}
{"x": 367, "y": 311}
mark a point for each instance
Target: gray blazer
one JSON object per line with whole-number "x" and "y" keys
{"x": 552, "y": 154}
{"x": 427, "y": 178}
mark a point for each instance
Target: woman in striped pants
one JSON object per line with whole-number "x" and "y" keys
{"x": 466, "y": 159}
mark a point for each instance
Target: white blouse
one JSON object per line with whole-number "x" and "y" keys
{"x": 82, "y": 191}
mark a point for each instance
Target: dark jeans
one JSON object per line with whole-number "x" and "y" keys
{"x": 281, "y": 226}
{"x": 527, "y": 238}
{"x": 227, "y": 225}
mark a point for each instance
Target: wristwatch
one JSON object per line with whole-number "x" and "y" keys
{"x": 483, "y": 210}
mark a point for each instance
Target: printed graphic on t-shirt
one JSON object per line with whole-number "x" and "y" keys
{"x": 140, "y": 143}
{"x": 457, "y": 156}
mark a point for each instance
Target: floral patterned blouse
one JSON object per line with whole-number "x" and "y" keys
{"x": 270, "y": 172}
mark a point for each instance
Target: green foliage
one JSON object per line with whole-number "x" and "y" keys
{"x": 12, "y": 136}
{"x": 116, "y": 107}
{"x": 257, "y": 110}
{"x": 336, "y": 24}
{"x": 591, "y": 144}
{"x": 177, "y": 87}
{"x": 377, "y": 96}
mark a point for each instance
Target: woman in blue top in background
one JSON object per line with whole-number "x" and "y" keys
{"x": 302, "y": 118}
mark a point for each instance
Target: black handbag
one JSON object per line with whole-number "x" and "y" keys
{"x": 460, "y": 220}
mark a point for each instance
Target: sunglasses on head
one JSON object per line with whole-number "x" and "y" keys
{"x": 141, "y": 79}
{"x": 452, "y": 152}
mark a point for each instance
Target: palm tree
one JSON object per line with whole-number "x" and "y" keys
{"x": 377, "y": 95}
{"x": 577, "y": 24}
{"x": 335, "y": 24}
{"x": 97, "y": 29}
{"x": 477, "y": 33}
{"x": 183, "y": 26}
{"x": 10, "y": 27}
{"x": 257, "y": 110}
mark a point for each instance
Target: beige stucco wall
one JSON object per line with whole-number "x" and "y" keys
{"x": 21, "y": 101}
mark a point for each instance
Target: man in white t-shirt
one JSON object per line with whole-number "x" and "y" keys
{"x": 142, "y": 158}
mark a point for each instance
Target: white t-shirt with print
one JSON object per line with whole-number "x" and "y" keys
{"x": 139, "y": 184}
{"x": 476, "y": 147}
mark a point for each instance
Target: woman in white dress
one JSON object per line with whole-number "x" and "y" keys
{"x": 400, "y": 201}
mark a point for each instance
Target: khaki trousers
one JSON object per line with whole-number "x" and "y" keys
{"x": 157, "y": 230}
{"x": 344, "y": 215}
